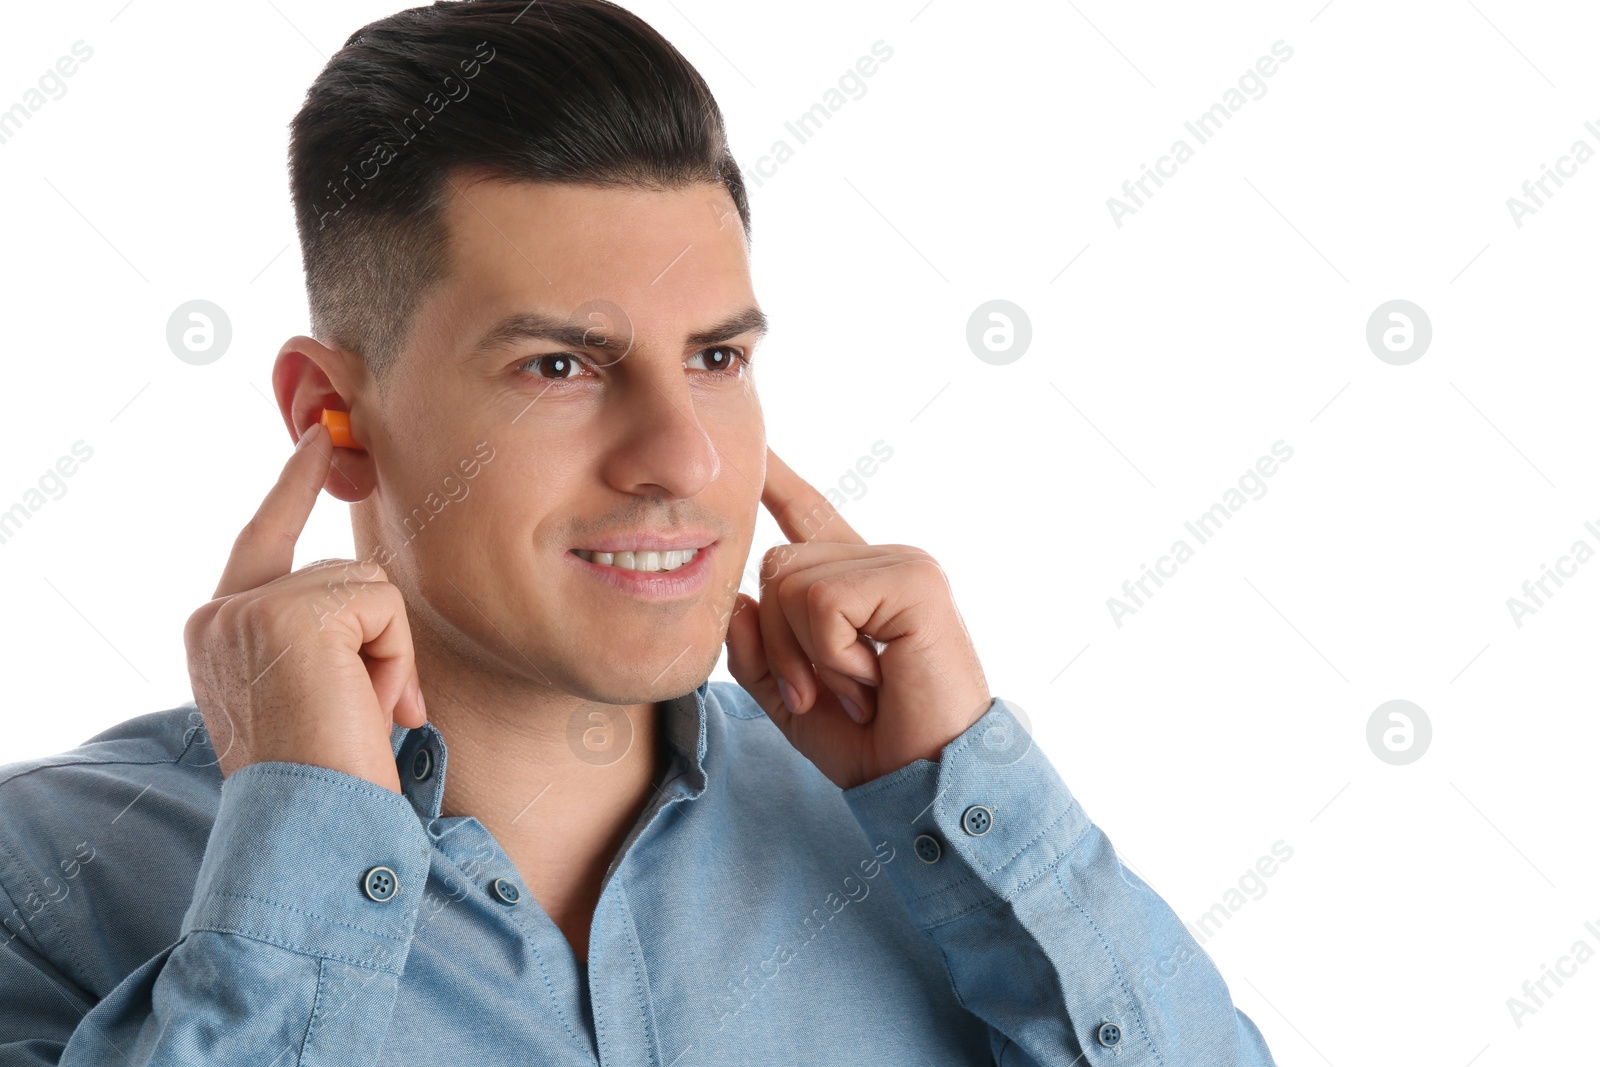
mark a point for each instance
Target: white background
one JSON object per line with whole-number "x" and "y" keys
{"x": 1228, "y": 313}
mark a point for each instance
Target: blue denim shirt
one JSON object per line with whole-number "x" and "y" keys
{"x": 964, "y": 911}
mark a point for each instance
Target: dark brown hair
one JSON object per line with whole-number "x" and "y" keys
{"x": 579, "y": 91}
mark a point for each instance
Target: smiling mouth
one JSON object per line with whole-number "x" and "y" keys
{"x": 652, "y": 562}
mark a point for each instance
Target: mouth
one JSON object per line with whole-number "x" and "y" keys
{"x": 649, "y": 574}
{"x": 646, "y": 561}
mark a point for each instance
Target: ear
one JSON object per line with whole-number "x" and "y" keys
{"x": 309, "y": 376}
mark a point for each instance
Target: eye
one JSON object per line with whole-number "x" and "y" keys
{"x": 730, "y": 364}
{"x": 720, "y": 361}
{"x": 563, "y": 365}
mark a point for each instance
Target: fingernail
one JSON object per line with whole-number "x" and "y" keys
{"x": 305, "y": 435}
{"x": 791, "y": 699}
{"x": 851, "y": 710}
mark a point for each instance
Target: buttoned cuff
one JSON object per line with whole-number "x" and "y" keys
{"x": 315, "y": 861}
{"x": 976, "y": 827}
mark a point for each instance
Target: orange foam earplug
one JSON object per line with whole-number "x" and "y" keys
{"x": 338, "y": 424}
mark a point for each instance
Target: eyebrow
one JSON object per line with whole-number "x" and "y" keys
{"x": 538, "y": 326}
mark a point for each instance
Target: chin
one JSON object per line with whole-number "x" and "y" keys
{"x": 638, "y": 680}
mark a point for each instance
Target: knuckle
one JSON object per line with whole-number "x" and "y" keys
{"x": 771, "y": 564}
{"x": 194, "y": 626}
{"x": 775, "y": 560}
{"x": 391, "y": 593}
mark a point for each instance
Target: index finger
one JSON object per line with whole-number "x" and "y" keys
{"x": 264, "y": 549}
{"x": 803, "y": 514}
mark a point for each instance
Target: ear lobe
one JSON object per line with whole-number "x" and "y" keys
{"x": 352, "y": 475}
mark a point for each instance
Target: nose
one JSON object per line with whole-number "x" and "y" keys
{"x": 662, "y": 447}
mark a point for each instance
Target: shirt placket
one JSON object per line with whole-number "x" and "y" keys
{"x": 615, "y": 1023}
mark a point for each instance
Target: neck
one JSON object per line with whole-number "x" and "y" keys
{"x": 539, "y": 767}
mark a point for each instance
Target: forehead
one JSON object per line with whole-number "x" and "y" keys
{"x": 670, "y": 258}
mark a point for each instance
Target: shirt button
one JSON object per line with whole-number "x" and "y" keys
{"x": 422, "y": 764}
{"x": 927, "y": 848}
{"x": 1109, "y": 1034}
{"x": 380, "y": 883}
{"x": 976, "y": 820}
{"x": 505, "y": 891}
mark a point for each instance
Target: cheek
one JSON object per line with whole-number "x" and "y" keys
{"x": 733, "y": 420}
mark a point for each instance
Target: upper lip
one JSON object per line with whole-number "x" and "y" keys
{"x": 646, "y": 541}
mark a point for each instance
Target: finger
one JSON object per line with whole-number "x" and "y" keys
{"x": 784, "y": 655}
{"x": 794, "y": 555}
{"x": 841, "y": 686}
{"x": 803, "y": 514}
{"x": 828, "y": 605}
{"x": 264, "y": 549}
{"x": 747, "y": 660}
{"x": 377, "y": 620}
{"x": 357, "y": 577}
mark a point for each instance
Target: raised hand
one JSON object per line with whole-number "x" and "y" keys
{"x": 828, "y": 601}
{"x": 311, "y": 666}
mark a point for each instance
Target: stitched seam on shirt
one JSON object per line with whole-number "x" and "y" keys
{"x": 187, "y": 745}
{"x": 544, "y": 972}
{"x": 645, "y": 1007}
{"x": 316, "y": 1008}
{"x": 308, "y": 914}
{"x": 362, "y": 786}
{"x": 77, "y": 964}
{"x": 86, "y": 762}
{"x": 989, "y": 901}
{"x": 27, "y": 933}
{"x": 77, "y": 972}
{"x": 1134, "y": 1004}
{"x": 217, "y": 928}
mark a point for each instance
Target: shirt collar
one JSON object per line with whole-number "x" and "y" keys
{"x": 421, "y": 757}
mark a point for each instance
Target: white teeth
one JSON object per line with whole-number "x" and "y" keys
{"x": 641, "y": 561}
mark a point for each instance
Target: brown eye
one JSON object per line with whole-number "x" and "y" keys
{"x": 729, "y": 363}
{"x": 562, "y": 364}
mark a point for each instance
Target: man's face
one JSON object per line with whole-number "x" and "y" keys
{"x": 646, "y": 425}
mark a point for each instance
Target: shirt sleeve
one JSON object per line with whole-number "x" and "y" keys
{"x": 290, "y": 952}
{"x": 1068, "y": 956}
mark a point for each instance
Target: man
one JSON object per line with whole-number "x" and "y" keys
{"x": 470, "y": 798}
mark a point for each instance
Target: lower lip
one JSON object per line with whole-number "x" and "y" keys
{"x": 652, "y": 585}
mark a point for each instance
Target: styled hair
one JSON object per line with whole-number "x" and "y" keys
{"x": 578, "y": 91}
